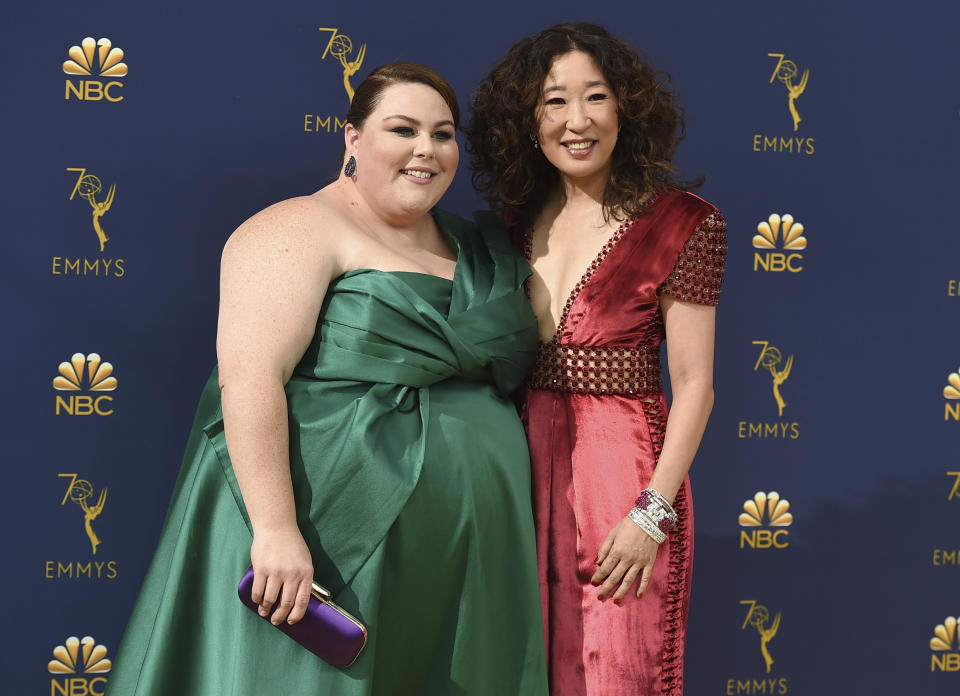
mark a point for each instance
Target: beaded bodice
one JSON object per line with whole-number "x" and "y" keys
{"x": 609, "y": 334}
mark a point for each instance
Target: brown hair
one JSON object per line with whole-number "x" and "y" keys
{"x": 368, "y": 94}
{"x": 516, "y": 178}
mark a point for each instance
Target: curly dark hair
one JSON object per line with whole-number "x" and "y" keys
{"x": 516, "y": 179}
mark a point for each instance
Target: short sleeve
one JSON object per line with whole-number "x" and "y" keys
{"x": 698, "y": 273}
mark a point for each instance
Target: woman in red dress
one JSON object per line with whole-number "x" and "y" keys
{"x": 573, "y": 138}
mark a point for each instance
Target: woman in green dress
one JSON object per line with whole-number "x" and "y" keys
{"x": 358, "y": 431}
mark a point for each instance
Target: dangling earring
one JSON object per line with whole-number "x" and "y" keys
{"x": 536, "y": 143}
{"x": 351, "y": 167}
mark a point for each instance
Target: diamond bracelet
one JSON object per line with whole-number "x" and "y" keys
{"x": 639, "y": 518}
{"x": 658, "y": 509}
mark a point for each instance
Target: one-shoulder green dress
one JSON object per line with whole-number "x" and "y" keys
{"x": 412, "y": 484}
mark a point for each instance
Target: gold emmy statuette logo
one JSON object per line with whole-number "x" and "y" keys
{"x": 772, "y": 508}
{"x": 87, "y": 187}
{"x": 80, "y": 656}
{"x": 80, "y": 491}
{"x": 758, "y": 616}
{"x": 786, "y": 71}
{"x": 770, "y": 358}
{"x": 951, "y": 392}
{"x": 945, "y": 646}
{"x": 94, "y": 58}
{"x": 781, "y": 239}
{"x": 340, "y": 46}
{"x": 955, "y": 491}
{"x": 98, "y": 377}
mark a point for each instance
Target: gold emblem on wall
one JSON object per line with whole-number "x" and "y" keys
{"x": 85, "y": 373}
{"x": 107, "y": 64}
{"x": 758, "y": 616}
{"x": 93, "y": 58}
{"x": 340, "y": 46}
{"x": 87, "y": 187}
{"x": 771, "y": 358}
{"x": 768, "y": 236}
{"x": 781, "y": 238}
{"x": 78, "y": 667}
{"x": 945, "y": 645}
{"x": 786, "y": 72}
{"x": 769, "y": 505}
{"x": 99, "y": 374}
{"x": 80, "y": 491}
{"x": 765, "y": 509}
{"x": 80, "y": 656}
{"x": 951, "y": 392}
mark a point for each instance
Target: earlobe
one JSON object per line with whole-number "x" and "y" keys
{"x": 351, "y": 136}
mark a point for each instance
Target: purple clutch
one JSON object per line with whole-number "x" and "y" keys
{"x": 326, "y": 630}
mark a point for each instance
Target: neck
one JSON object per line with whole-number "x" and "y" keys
{"x": 585, "y": 192}
{"x": 411, "y": 226}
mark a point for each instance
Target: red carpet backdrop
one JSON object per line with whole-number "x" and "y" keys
{"x": 827, "y": 488}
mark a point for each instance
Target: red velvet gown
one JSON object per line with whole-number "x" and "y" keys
{"x": 596, "y": 414}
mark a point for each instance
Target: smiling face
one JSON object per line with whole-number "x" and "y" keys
{"x": 406, "y": 152}
{"x": 577, "y": 119}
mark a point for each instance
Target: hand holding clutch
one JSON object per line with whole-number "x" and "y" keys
{"x": 326, "y": 629}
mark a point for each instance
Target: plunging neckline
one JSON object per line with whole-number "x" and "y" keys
{"x": 585, "y": 277}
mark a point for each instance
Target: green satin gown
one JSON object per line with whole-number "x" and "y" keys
{"x": 412, "y": 484}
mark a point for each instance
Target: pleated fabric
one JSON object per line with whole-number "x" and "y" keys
{"x": 412, "y": 485}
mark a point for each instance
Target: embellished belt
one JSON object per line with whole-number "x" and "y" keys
{"x": 596, "y": 369}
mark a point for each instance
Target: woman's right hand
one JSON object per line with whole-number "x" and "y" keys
{"x": 282, "y": 574}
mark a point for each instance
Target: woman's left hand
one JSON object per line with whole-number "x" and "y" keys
{"x": 628, "y": 553}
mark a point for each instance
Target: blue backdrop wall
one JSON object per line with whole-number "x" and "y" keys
{"x": 827, "y": 488}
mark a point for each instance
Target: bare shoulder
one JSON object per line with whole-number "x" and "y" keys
{"x": 297, "y": 228}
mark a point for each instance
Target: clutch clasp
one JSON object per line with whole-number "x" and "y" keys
{"x": 321, "y": 593}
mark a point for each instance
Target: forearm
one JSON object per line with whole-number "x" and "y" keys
{"x": 256, "y": 430}
{"x": 692, "y": 403}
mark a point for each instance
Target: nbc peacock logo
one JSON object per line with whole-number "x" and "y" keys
{"x": 760, "y": 512}
{"x": 84, "y": 373}
{"x": 945, "y": 645}
{"x": 779, "y": 241}
{"x": 94, "y": 58}
{"x": 79, "y": 666}
{"x": 951, "y": 392}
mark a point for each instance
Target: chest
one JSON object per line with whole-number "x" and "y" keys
{"x": 564, "y": 259}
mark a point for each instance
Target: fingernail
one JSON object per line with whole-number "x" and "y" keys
{"x": 618, "y": 601}
{"x": 600, "y": 596}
